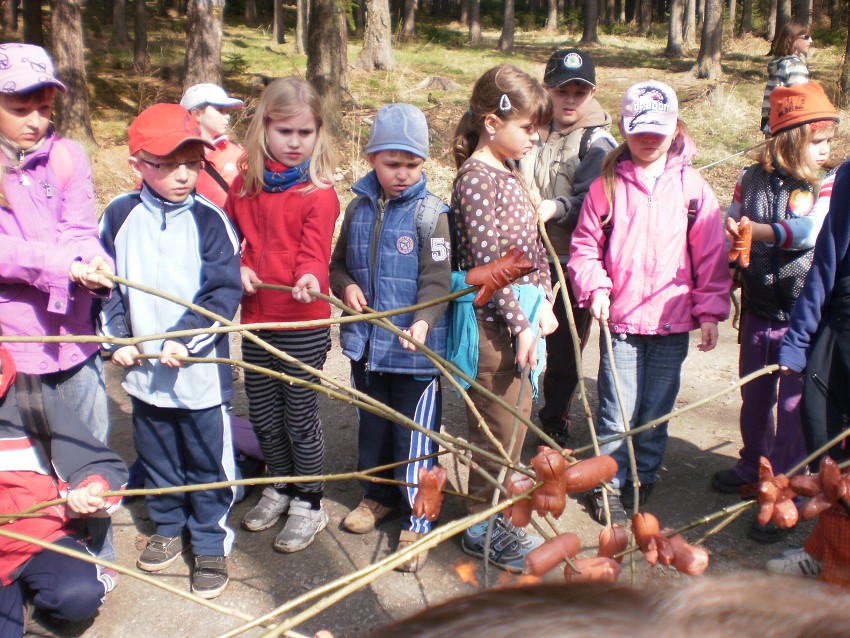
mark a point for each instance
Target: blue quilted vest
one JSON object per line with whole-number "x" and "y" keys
{"x": 395, "y": 281}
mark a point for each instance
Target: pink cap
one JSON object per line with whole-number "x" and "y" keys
{"x": 650, "y": 107}
{"x": 161, "y": 128}
{"x": 24, "y": 67}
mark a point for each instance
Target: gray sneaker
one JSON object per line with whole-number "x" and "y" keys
{"x": 795, "y": 562}
{"x": 271, "y": 506}
{"x": 159, "y": 553}
{"x": 301, "y": 526}
{"x": 509, "y": 545}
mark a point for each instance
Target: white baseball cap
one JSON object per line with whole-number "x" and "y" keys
{"x": 200, "y": 95}
{"x": 650, "y": 107}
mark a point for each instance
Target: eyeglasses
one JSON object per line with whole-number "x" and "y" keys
{"x": 166, "y": 168}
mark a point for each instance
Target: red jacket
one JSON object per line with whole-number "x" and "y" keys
{"x": 285, "y": 235}
{"x": 224, "y": 159}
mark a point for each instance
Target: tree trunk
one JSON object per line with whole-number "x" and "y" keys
{"x": 589, "y": 35}
{"x": 690, "y": 32}
{"x": 327, "y": 43}
{"x": 783, "y": 17}
{"x": 140, "y": 38}
{"x": 622, "y": 15}
{"x": 700, "y": 12}
{"x": 72, "y": 113}
{"x": 10, "y": 16}
{"x": 834, "y": 14}
{"x": 464, "y": 12}
{"x": 770, "y": 28}
{"x": 645, "y": 15}
{"x": 506, "y": 41}
{"x": 746, "y": 18}
{"x": 845, "y": 68}
{"x": 552, "y": 16}
{"x": 377, "y": 53}
{"x": 302, "y": 13}
{"x": 33, "y": 22}
{"x": 279, "y": 31}
{"x": 251, "y": 12}
{"x": 733, "y": 10}
{"x": 610, "y": 12}
{"x": 203, "y": 42}
{"x": 708, "y": 60}
{"x": 474, "y": 22}
{"x": 120, "y": 35}
{"x": 804, "y": 12}
{"x": 409, "y": 28}
{"x": 675, "y": 41}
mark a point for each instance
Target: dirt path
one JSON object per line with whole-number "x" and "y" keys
{"x": 700, "y": 442}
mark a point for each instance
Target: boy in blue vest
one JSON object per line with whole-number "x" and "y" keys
{"x": 394, "y": 251}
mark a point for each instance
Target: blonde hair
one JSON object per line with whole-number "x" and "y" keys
{"x": 788, "y": 150}
{"x": 284, "y": 98}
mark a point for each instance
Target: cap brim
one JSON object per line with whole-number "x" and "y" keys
{"x": 565, "y": 80}
{"x": 167, "y": 144}
{"x": 227, "y": 104}
{"x": 395, "y": 147}
{"x": 25, "y": 82}
{"x": 655, "y": 125}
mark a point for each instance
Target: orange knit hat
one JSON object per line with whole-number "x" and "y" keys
{"x": 799, "y": 104}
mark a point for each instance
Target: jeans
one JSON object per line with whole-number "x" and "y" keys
{"x": 649, "y": 368}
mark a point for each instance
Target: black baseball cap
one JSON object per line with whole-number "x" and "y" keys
{"x": 569, "y": 65}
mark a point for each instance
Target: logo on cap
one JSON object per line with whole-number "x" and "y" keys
{"x": 573, "y": 60}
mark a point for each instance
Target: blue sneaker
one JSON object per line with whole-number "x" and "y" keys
{"x": 509, "y": 545}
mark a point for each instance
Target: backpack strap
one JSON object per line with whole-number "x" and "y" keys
{"x": 584, "y": 144}
{"x": 33, "y": 415}
{"x": 210, "y": 170}
{"x": 428, "y": 210}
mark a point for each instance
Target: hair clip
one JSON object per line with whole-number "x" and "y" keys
{"x": 505, "y": 103}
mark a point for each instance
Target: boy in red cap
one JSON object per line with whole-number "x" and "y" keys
{"x": 164, "y": 237}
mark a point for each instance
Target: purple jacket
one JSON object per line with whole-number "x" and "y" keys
{"x": 50, "y": 223}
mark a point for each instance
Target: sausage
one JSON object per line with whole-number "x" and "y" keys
{"x": 806, "y": 484}
{"x": 815, "y": 506}
{"x": 785, "y": 513}
{"x": 613, "y": 540}
{"x": 644, "y": 527}
{"x": 830, "y": 479}
{"x": 497, "y": 274}
{"x": 429, "y": 496}
{"x": 688, "y": 558}
{"x": 598, "y": 569}
{"x": 549, "y": 467}
{"x": 520, "y": 512}
{"x": 742, "y": 241}
{"x": 551, "y": 554}
{"x": 588, "y": 473}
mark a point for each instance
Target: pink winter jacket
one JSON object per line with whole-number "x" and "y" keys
{"x": 646, "y": 267}
{"x": 50, "y": 223}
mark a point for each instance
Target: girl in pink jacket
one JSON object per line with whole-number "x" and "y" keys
{"x": 649, "y": 257}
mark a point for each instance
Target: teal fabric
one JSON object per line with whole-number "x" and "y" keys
{"x": 463, "y": 328}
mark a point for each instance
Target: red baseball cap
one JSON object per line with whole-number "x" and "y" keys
{"x": 161, "y": 128}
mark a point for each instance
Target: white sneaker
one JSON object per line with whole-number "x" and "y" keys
{"x": 269, "y": 508}
{"x": 795, "y": 562}
{"x": 301, "y": 527}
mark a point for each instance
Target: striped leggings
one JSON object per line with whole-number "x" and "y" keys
{"x": 285, "y": 416}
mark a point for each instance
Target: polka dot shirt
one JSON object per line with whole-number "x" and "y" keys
{"x": 492, "y": 213}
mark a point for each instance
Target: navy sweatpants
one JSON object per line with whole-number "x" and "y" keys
{"x": 65, "y": 588}
{"x": 382, "y": 441}
{"x": 187, "y": 447}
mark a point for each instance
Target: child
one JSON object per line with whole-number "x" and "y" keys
{"x": 816, "y": 344}
{"x": 49, "y": 249}
{"x": 284, "y": 206}
{"x": 380, "y": 259}
{"x": 210, "y": 105}
{"x": 560, "y": 168}
{"x": 38, "y": 465}
{"x": 788, "y": 66}
{"x": 638, "y": 262}
{"x": 164, "y": 237}
{"x": 778, "y": 196}
{"x": 493, "y": 212}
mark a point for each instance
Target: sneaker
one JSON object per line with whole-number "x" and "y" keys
{"x": 159, "y": 553}
{"x": 414, "y": 563}
{"x": 767, "y": 534}
{"x": 795, "y": 562}
{"x": 108, "y": 578}
{"x": 527, "y": 541}
{"x": 363, "y": 518}
{"x": 209, "y": 578}
{"x": 507, "y": 549}
{"x": 301, "y": 527}
{"x": 596, "y": 506}
{"x": 271, "y": 506}
{"x": 627, "y": 494}
{"x": 728, "y": 482}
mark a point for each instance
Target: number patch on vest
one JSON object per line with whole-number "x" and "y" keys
{"x": 439, "y": 249}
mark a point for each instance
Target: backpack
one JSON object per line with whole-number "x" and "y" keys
{"x": 586, "y": 141}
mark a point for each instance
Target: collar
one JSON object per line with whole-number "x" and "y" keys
{"x": 154, "y": 201}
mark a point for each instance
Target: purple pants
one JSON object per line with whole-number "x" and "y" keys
{"x": 770, "y": 407}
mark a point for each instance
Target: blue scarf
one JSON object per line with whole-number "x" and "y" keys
{"x": 284, "y": 179}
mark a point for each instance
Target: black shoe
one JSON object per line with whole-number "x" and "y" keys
{"x": 728, "y": 482}
{"x": 209, "y": 578}
{"x": 597, "y": 508}
{"x": 767, "y": 534}
{"x": 627, "y": 494}
{"x": 561, "y": 437}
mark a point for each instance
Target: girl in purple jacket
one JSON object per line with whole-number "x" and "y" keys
{"x": 648, "y": 257}
{"x": 50, "y": 251}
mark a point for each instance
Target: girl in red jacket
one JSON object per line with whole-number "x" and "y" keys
{"x": 285, "y": 208}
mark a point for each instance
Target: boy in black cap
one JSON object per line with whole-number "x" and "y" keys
{"x": 559, "y": 169}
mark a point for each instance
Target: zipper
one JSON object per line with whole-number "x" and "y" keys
{"x": 163, "y": 217}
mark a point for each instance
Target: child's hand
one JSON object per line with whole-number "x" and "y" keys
{"x": 548, "y": 320}
{"x": 249, "y": 279}
{"x": 126, "y": 357}
{"x": 85, "y": 500}
{"x": 419, "y": 331}
{"x": 353, "y": 297}
{"x": 170, "y": 350}
{"x": 600, "y": 305}
{"x": 526, "y": 354}
{"x": 709, "y": 336}
{"x": 86, "y": 275}
{"x": 545, "y": 210}
{"x": 302, "y": 288}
